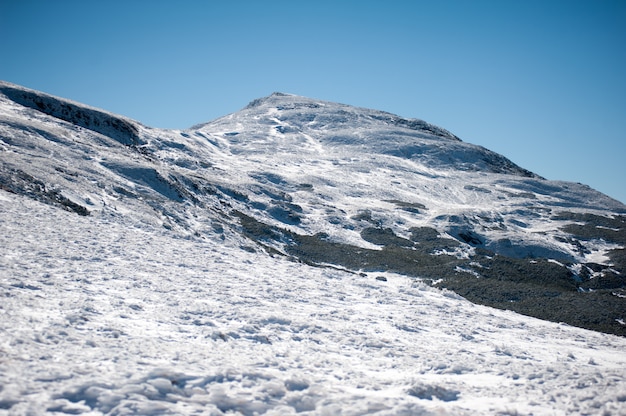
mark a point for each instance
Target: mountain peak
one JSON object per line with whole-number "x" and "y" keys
{"x": 276, "y": 98}
{"x": 324, "y": 183}
{"x": 295, "y": 124}
{"x": 300, "y": 226}
{"x": 344, "y": 113}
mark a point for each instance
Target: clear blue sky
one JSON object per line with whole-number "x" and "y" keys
{"x": 541, "y": 82}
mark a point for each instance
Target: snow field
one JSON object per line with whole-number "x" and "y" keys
{"x": 98, "y": 317}
{"x": 114, "y": 314}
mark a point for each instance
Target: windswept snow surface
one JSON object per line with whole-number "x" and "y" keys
{"x": 354, "y": 159}
{"x": 148, "y": 271}
{"x": 101, "y": 317}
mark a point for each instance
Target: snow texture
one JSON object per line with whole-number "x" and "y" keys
{"x": 131, "y": 285}
{"x": 100, "y": 317}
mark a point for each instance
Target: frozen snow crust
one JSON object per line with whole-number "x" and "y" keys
{"x": 282, "y": 259}
{"x": 100, "y": 316}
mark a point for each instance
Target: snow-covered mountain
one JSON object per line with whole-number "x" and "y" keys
{"x": 282, "y": 259}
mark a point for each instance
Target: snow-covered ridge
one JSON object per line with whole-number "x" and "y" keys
{"x": 281, "y": 260}
{"x": 308, "y": 178}
{"x": 349, "y": 154}
{"x": 282, "y": 101}
{"x": 288, "y": 122}
{"x": 116, "y": 127}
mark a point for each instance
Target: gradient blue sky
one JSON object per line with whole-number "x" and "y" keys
{"x": 541, "y": 82}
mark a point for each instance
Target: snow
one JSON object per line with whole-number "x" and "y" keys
{"x": 100, "y": 317}
{"x": 354, "y": 159}
{"x": 156, "y": 303}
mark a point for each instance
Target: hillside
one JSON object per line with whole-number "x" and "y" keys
{"x": 296, "y": 256}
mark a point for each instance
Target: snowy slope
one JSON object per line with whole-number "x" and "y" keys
{"x": 361, "y": 159}
{"x": 100, "y": 317}
{"x": 279, "y": 260}
{"x": 352, "y": 179}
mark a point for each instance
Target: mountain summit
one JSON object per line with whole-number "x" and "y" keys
{"x": 332, "y": 184}
{"x": 281, "y": 122}
{"x": 297, "y": 256}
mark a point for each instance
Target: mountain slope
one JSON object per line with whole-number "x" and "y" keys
{"x": 332, "y": 184}
{"x": 103, "y": 317}
{"x": 371, "y": 191}
{"x": 280, "y": 259}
